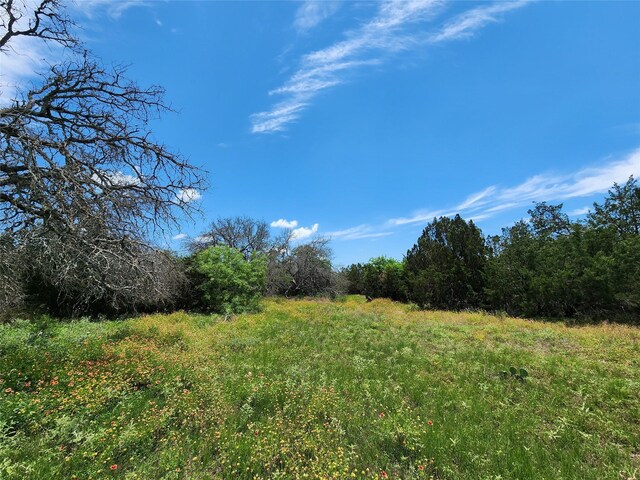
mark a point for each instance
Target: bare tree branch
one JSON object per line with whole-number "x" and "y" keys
{"x": 83, "y": 183}
{"x": 242, "y": 233}
{"x": 47, "y": 21}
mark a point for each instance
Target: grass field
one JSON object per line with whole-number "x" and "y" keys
{"x": 319, "y": 389}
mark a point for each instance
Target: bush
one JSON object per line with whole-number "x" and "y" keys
{"x": 445, "y": 268}
{"x": 229, "y": 283}
{"x": 381, "y": 277}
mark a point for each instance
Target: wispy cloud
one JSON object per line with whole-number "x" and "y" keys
{"x": 114, "y": 9}
{"x": 357, "y": 233}
{"x": 579, "y": 211}
{"x": 311, "y": 13}
{"x": 21, "y": 61}
{"x": 544, "y": 187}
{"x": 387, "y": 33}
{"x": 24, "y": 57}
{"x": 282, "y": 223}
{"x": 180, "y": 236}
{"x": 303, "y": 232}
{"x": 468, "y": 23}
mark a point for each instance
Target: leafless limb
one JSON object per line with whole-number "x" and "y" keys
{"x": 80, "y": 146}
{"x": 304, "y": 270}
{"x": 245, "y": 234}
{"x": 84, "y": 185}
{"x": 46, "y": 20}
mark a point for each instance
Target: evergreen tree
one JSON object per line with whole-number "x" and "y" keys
{"x": 445, "y": 268}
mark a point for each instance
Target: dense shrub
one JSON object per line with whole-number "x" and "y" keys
{"x": 380, "y": 277}
{"x": 549, "y": 266}
{"x": 445, "y": 268}
{"x": 230, "y": 283}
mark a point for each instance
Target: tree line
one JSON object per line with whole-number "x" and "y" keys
{"x": 544, "y": 266}
{"x": 85, "y": 190}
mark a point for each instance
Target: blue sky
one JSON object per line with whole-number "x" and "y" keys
{"x": 363, "y": 120}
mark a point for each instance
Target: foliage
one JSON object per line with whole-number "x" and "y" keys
{"x": 445, "y": 268}
{"x": 620, "y": 210}
{"x": 519, "y": 374}
{"x": 380, "y": 277}
{"x": 230, "y": 282}
{"x": 544, "y": 266}
{"x": 328, "y": 390}
{"x": 554, "y": 268}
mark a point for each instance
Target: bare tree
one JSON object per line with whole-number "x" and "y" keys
{"x": 97, "y": 272}
{"x": 79, "y": 145}
{"x": 46, "y": 21}
{"x": 245, "y": 234}
{"x": 304, "y": 270}
{"x": 83, "y": 182}
{"x": 11, "y": 271}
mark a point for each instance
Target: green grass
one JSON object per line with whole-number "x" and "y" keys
{"x": 318, "y": 389}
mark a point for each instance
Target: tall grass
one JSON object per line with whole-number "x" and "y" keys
{"x": 319, "y": 389}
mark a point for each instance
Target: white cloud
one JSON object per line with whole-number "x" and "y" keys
{"x": 282, "y": 223}
{"x": 188, "y": 195}
{"x": 579, "y": 211}
{"x": 477, "y": 199}
{"x": 114, "y": 9}
{"x": 320, "y": 70}
{"x": 469, "y": 22}
{"x": 203, "y": 238}
{"x": 543, "y": 187}
{"x": 388, "y": 32}
{"x": 23, "y": 57}
{"x": 119, "y": 178}
{"x": 311, "y": 13}
{"x": 421, "y": 216}
{"x": 180, "y": 236}
{"x": 357, "y": 233}
{"x": 303, "y": 232}
{"x": 116, "y": 178}
{"x": 21, "y": 61}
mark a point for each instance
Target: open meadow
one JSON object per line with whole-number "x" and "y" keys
{"x": 319, "y": 389}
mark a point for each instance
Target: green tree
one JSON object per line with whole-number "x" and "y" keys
{"x": 620, "y": 210}
{"x": 354, "y": 275}
{"x": 510, "y": 268}
{"x": 384, "y": 277}
{"x": 228, "y": 281}
{"x": 445, "y": 268}
{"x": 548, "y": 221}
